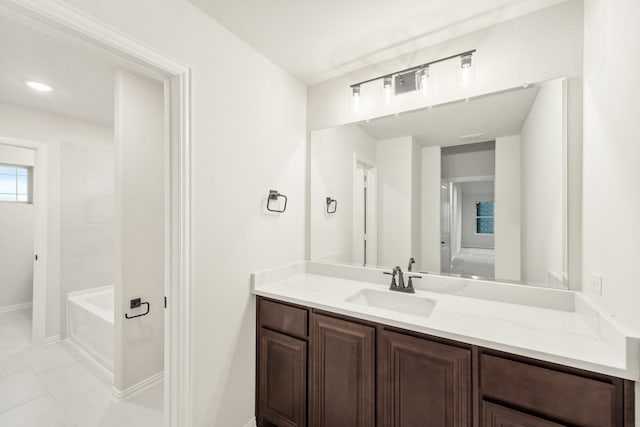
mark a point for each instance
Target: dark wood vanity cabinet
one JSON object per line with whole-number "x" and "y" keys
{"x": 559, "y": 395}
{"x": 498, "y": 416}
{"x": 282, "y": 378}
{"x": 282, "y": 366}
{"x": 420, "y": 379}
{"x": 324, "y": 370}
{"x": 342, "y": 373}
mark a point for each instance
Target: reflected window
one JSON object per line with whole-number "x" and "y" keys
{"x": 484, "y": 217}
{"x": 15, "y": 184}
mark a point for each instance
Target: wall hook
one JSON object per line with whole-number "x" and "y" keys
{"x": 330, "y": 202}
{"x": 275, "y": 195}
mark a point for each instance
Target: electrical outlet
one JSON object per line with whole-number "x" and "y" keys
{"x": 596, "y": 284}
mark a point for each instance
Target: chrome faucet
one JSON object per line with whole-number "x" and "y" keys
{"x": 411, "y": 262}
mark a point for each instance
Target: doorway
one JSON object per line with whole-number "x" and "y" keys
{"x": 176, "y": 83}
{"x": 365, "y": 241}
{"x": 29, "y": 161}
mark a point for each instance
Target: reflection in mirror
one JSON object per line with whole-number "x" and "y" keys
{"x": 472, "y": 188}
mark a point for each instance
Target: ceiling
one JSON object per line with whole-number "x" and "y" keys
{"x": 81, "y": 75}
{"x": 316, "y": 40}
{"x": 496, "y": 115}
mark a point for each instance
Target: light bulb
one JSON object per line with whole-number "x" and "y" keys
{"x": 422, "y": 80}
{"x": 466, "y": 70}
{"x": 355, "y": 97}
{"x": 40, "y": 87}
{"x": 388, "y": 88}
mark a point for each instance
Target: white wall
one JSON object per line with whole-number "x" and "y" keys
{"x": 13, "y": 155}
{"x": 611, "y": 205}
{"x": 16, "y": 244}
{"x": 396, "y": 202}
{"x": 246, "y": 139}
{"x": 541, "y": 172}
{"x": 469, "y": 160}
{"x": 507, "y": 209}
{"x": 540, "y": 46}
{"x": 431, "y": 215}
{"x": 611, "y": 202}
{"x": 535, "y": 47}
{"x": 140, "y": 221}
{"x": 331, "y": 174}
{"x": 416, "y": 204}
{"x": 53, "y": 130}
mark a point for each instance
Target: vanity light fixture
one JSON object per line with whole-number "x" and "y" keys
{"x": 422, "y": 80}
{"x": 355, "y": 92}
{"x": 421, "y": 73}
{"x": 388, "y": 88}
{"x": 466, "y": 70}
{"x": 473, "y": 136}
{"x": 38, "y": 86}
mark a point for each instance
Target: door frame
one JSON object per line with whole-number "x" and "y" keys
{"x": 40, "y": 194}
{"x": 60, "y": 16}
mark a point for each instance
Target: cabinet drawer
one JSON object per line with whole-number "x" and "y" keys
{"x": 283, "y": 318}
{"x": 553, "y": 394}
{"x": 499, "y": 416}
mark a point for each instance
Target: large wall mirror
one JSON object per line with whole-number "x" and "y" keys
{"x": 475, "y": 188}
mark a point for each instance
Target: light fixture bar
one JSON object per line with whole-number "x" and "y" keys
{"x": 415, "y": 68}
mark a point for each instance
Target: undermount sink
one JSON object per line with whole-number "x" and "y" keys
{"x": 394, "y": 301}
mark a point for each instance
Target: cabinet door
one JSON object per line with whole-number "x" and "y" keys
{"x": 282, "y": 380}
{"x": 422, "y": 383}
{"x": 499, "y": 416}
{"x": 342, "y": 373}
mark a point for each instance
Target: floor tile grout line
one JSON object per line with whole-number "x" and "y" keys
{"x": 26, "y": 402}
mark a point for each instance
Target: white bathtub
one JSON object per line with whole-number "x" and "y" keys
{"x": 90, "y": 317}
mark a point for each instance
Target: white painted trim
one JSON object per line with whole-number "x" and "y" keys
{"x": 251, "y": 423}
{"x": 40, "y": 232}
{"x": 14, "y": 307}
{"x": 52, "y": 339}
{"x": 139, "y": 387}
{"x": 74, "y": 22}
{"x": 94, "y": 366}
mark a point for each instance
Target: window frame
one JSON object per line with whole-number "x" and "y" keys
{"x": 17, "y": 194}
{"x": 477, "y": 202}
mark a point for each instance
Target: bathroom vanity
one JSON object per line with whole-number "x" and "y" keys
{"x": 330, "y": 354}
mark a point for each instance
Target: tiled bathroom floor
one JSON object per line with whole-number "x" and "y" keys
{"x": 49, "y": 387}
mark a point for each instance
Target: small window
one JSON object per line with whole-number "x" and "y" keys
{"x": 484, "y": 217}
{"x": 15, "y": 184}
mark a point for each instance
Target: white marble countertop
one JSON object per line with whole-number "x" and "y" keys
{"x": 565, "y": 336}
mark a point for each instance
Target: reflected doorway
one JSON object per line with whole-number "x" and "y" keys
{"x": 365, "y": 246}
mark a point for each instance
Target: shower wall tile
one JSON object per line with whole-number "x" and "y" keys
{"x": 100, "y": 210}
{"x": 73, "y": 210}
{"x": 87, "y": 233}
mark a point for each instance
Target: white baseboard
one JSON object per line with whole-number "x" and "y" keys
{"x": 14, "y": 307}
{"x": 251, "y": 423}
{"x": 52, "y": 339}
{"x": 143, "y": 385}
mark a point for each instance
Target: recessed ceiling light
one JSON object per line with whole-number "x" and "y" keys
{"x": 472, "y": 136}
{"x": 40, "y": 87}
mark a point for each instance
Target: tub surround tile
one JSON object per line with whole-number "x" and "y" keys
{"x": 542, "y": 323}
